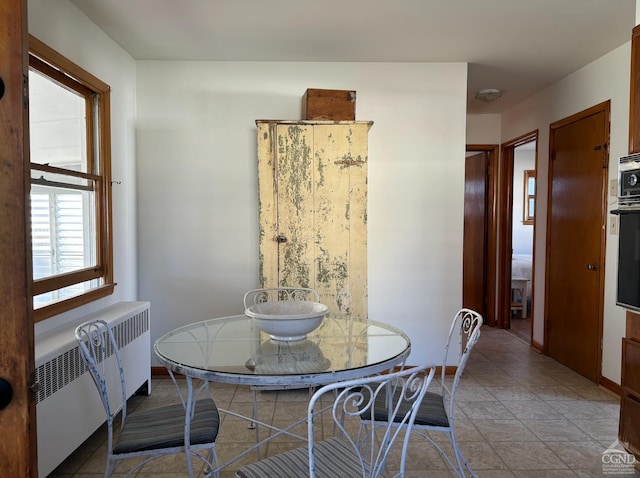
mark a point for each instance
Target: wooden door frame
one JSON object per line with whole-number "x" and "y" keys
{"x": 506, "y": 226}
{"x": 18, "y": 451}
{"x": 606, "y": 108}
{"x": 491, "y": 217}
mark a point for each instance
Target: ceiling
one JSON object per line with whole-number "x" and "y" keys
{"x": 517, "y": 46}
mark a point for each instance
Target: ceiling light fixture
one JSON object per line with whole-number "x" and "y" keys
{"x": 488, "y": 95}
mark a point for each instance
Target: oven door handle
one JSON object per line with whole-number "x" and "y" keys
{"x": 627, "y": 210}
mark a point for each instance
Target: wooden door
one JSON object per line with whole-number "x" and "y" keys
{"x": 313, "y": 209}
{"x": 475, "y": 233}
{"x": 575, "y": 240}
{"x": 17, "y": 421}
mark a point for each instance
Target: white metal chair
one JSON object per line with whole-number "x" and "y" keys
{"x": 148, "y": 433}
{"x": 351, "y": 450}
{"x": 256, "y": 296}
{"x": 435, "y": 413}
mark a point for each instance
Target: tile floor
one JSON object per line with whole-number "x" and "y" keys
{"x": 519, "y": 414}
{"x": 521, "y": 327}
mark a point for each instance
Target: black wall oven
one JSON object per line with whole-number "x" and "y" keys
{"x": 629, "y": 259}
{"x": 628, "y": 290}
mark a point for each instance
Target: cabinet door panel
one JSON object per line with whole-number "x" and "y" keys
{"x": 629, "y": 433}
{"x": 295, "y": 194}
{"x": 631, "y": 366}
{"x": 340, "y": 219}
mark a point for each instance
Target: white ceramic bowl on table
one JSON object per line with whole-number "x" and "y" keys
{"x": 287, "y": 319}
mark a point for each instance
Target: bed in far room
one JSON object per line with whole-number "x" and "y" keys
{"x": 521, "y": 266}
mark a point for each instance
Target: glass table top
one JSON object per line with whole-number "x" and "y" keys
{"x": 233, "y": 349}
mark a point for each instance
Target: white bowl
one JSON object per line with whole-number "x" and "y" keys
{"x": 287, "y": 319}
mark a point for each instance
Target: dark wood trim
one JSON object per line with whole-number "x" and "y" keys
{"x": 492, "y": 227}
{"x": 65, "y": 280}
{"x": 64, "y": 71}
{"x": 595, "y": 109}
{"x": 72, "y": 302}
{"x": 605, "y": 107}
{"x": 160, "y": 372}
{"x": 18, "y": 448}
{"x": 611, "y": 385}
{"x": 505, "y": 237}
{"x": 44, "y": 52}
{"x": 633, "y": 326}
{"x": 537, "y": 345}
{"x": 505, "y": 211}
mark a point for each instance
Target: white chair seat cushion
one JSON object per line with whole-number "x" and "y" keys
{"x": 163, "y": 427}
{"x": 333, "y": 459}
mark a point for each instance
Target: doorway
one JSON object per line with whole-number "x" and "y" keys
{"x": 479, "y": 243}
{"x": 517, "y": 233}
{"x": 523, "y": 205}
{"x": 576, "y": 233}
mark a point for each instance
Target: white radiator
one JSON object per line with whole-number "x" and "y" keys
{"x": 68, "y": 407}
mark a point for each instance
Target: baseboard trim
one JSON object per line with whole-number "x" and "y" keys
{"x": 610, "y": 385}
{"x": 160, "y": 372}
{"x": 449, "y": 369}
{"x": 537, "y": 345}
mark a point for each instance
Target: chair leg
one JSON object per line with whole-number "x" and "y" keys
{"x": 254, "y": 415}
{"x": 252, "y": 424}
{"x": 463, "y": 465}
{"x": 212, "y": 464}
{"x": 110, "y": 468}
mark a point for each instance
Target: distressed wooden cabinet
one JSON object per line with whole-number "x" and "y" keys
{"x": 312, "y": 178}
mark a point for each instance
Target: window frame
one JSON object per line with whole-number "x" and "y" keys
{"x": 52, "y": 64}
{"x": 528, "y": 197}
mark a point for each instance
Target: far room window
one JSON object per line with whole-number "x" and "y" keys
{"x": 529, "y": 196}
{"x": 70, "y": 183}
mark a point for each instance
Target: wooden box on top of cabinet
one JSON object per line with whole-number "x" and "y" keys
{"x": 334, "y": 105}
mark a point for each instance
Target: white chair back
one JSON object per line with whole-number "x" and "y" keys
{"x": 101, "y": 357}
{"x": 357, "y": 399}
{"x": 256, "y": 296}
{"x": 463, "y": 335}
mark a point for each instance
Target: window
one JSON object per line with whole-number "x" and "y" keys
{"x": 70, "y": 183}
{"x": 529, "y": 196}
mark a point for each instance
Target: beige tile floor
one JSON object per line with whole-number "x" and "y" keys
{"x": 519, "y": 414}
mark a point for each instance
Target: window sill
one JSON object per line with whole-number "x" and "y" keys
{"x": 72, "y": 302}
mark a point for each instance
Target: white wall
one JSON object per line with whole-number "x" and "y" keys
{"x": 522, "y": 234}
{"x": 196, "y": 159}
{"x": 483, "y": 129}
{"x": 64, "y": 28}
{"x": 197, "y": 185}
{"x": 605, "y": 78}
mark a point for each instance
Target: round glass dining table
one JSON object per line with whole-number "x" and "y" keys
{"x": 234, "y": 350}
